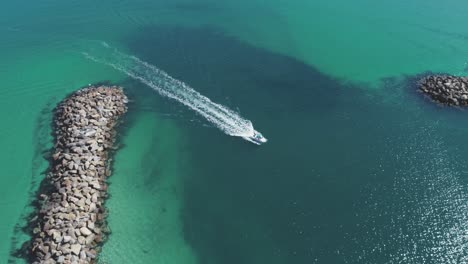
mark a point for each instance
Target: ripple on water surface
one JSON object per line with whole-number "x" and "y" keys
{"x": 422, "y": 217}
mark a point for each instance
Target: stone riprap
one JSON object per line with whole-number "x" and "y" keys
{"x": 70, "y": 225}
{"x": 446, "y": 89}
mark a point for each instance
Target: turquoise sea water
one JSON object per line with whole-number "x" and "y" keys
{"x": 358, "y": 167}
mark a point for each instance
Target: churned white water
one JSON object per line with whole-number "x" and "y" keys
{"x": 221, "y": 116}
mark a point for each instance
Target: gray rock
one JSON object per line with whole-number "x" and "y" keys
{"x": 82, "y": 240}
{"x": 91, "y": 225}
{"x": 91, "y": 254}
{"x": 58, "y": 239}
{"x": 75, "y": 249}
{"x": 89, "y": 239}
{"x": 44, "y": 249}
{"x": 67, "y": 239}
{"x": 81, "y": 203}
{"x": 85, "y": 231}
{"x": 82, "y": 255}
{"x": 65, "y": 204}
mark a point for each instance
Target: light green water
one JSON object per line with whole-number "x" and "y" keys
{"x": 365, "y": 41}
{"x": 360, "y": 41}
{"x": 145, "y": 210}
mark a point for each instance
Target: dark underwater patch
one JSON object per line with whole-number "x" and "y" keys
{"x": 295, "y": 198}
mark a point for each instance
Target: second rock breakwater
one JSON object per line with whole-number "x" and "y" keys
{"x": 446, "y": 89}
{"x": 70, "y": 224}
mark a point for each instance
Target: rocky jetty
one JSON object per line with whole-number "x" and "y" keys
{"x": 446, "y": 89}
{"x": 70, "y": 224}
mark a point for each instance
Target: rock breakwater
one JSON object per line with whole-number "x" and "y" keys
{"x": 70, "y": 224}
{"x": 446, "y": 89}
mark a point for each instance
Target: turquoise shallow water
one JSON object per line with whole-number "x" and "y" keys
{"x": 358, "y": 169}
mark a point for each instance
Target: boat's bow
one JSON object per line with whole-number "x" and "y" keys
{"x": 256, "y": 138}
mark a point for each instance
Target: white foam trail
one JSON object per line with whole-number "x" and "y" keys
{"x": 222, "y": 117}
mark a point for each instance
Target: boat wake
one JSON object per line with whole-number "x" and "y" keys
{"x": 222, "y": 117}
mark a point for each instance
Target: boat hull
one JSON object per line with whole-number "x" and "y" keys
{"x": 252, "y": 140}
{"x": 256, "y": 138}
